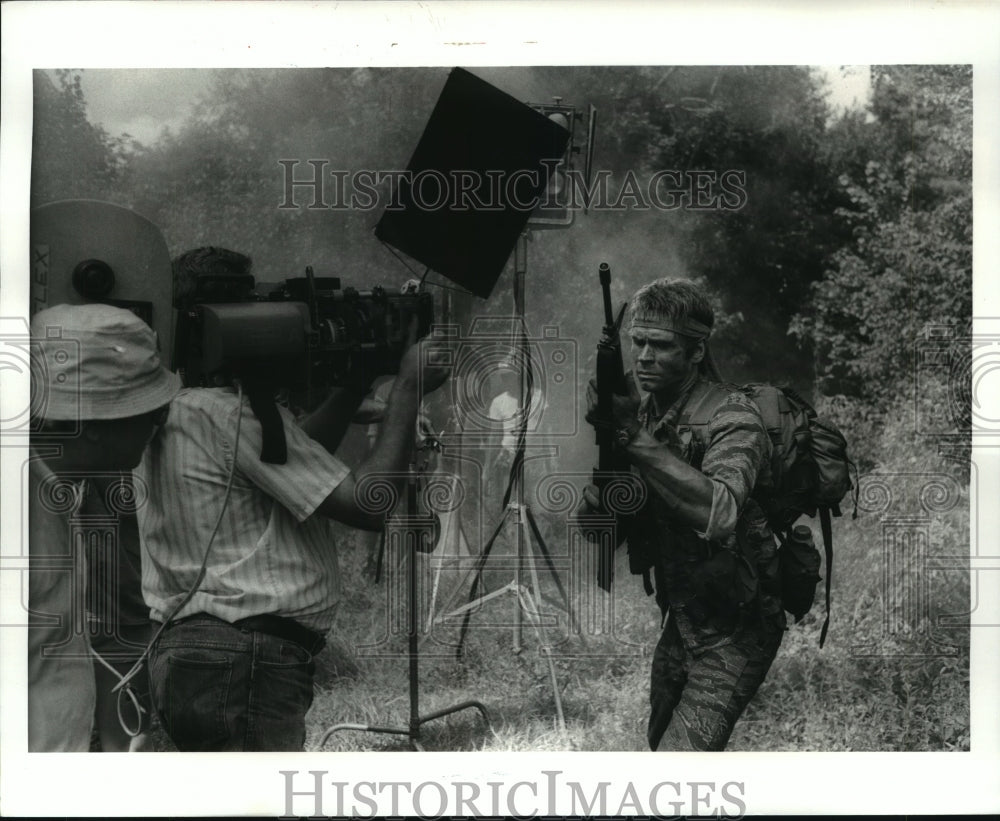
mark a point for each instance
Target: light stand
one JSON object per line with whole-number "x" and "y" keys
{"x": 528, "y": 596}
{"x": 416, "y": 530}
{"x": 452, "y": 533}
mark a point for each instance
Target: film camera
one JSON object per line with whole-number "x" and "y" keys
{"x": 306, "y": 333}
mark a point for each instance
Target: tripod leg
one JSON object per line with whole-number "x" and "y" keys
{"x": 552, "y": 569}
{"x": 444, "y": 540}
{"x": 475, "y": 570}
{"x": 381, "y": 556}
{"x": 535, "y": 618}
{"x": 451, "y": 537}
{"x": 480, "y": 564}
{"x": 536, "y": 587}
{"x": 518, "y": 633}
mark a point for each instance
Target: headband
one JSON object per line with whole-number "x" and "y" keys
{"x": 689, "y": 327}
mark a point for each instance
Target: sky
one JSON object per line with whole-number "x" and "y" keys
{"x": 141, "y": 102}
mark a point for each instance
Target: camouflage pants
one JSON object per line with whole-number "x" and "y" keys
{"x": 697, "y": 699}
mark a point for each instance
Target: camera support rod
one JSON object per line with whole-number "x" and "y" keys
{"x": 416, "y": 721}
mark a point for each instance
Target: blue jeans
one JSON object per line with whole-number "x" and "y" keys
{"x": 217, "y": 687}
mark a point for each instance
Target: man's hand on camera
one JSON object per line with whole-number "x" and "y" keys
{"x": 426, "y": 363}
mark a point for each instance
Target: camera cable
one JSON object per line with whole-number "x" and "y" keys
{"x": 126, "y": 691}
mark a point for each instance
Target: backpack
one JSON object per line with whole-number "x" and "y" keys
{"x": 809, "y": 474}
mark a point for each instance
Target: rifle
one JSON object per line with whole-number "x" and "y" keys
{"x": 610, "y": 462}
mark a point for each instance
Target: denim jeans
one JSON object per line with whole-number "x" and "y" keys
{"x": 217, "y": 687}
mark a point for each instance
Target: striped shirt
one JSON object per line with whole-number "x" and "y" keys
{"x": 271, "y": 555}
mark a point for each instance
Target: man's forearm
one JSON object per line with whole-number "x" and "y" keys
{"x": 329, "y": 422}
{"x": 370, "y": 411}
{"x": 686, "y": 492}
{"x": 394, "y": 443}
{"x": 389, "y": 459}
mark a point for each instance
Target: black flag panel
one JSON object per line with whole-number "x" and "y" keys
{"x": 474, "y": 179}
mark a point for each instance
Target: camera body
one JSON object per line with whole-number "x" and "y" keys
{"x": 306, "y": 334}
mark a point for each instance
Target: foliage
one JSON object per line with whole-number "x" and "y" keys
{"x": 70, "y": 157}
{"x": 856, "y": 234}
{"x": 766, "y": 123}
{"x": 907, "y": 178}
{"x": 219, "y": 179}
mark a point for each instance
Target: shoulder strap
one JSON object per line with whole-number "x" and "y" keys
{"x": 824, "y": 523}
{"x": 704, "y": 401}
{"x": 771, "y": 402}
{"x": 274, "y": 446}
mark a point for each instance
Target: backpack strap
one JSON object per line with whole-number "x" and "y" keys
{"x": 705, "y": 399}
{"x": 771, "y": 402}
{"x": 824, "y": 523}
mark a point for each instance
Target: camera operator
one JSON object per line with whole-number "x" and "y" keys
{"x": 233, "y": 670}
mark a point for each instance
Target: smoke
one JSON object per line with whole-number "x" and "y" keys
{"x": 217, "y": 180}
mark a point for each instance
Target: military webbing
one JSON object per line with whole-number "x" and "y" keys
{"x": 824, "y": 523}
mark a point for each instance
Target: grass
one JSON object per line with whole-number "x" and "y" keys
{"x": 890, "y": 678}
{"x": 594, "y": 690}
{"x": 863, "y": 691}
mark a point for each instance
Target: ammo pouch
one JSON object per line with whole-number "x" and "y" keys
{"x": 799, "y": 570}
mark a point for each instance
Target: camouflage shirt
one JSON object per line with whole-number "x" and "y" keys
{"x": 721, "y": 582}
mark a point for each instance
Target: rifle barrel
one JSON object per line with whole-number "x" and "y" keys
{"x": 604, "y": 274}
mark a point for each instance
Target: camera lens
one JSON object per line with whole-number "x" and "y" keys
{"x": 93, "y": 279}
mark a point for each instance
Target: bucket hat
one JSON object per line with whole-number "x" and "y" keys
{"x": 96, "y": 362}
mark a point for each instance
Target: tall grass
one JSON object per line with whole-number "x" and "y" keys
{"x": 893, "y": 675}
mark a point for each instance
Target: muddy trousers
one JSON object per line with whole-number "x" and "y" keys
{"x": 696, "y": 700}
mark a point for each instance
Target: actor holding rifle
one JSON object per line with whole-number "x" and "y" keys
{"x": 701, "y": 534}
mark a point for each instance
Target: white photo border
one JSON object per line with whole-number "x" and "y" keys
{"x": 196, "y": 34}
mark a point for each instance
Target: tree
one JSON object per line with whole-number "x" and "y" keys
{"x": 906, "y": 174}
{"x": 760, "y": 253}
{"x": 219, "y": 179}
{"x": 70, "y": 157}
